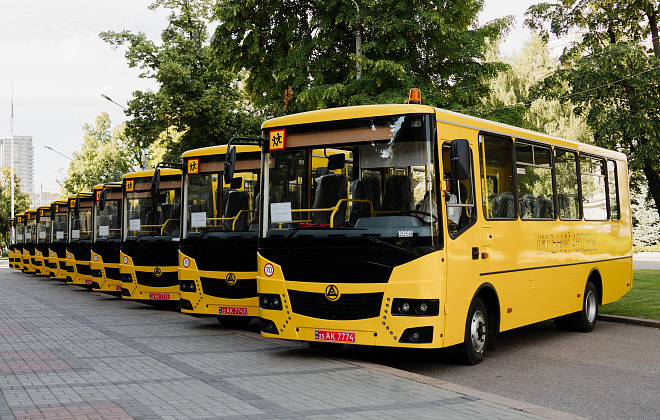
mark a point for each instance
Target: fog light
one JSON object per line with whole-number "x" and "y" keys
{"x": 414, "y": 337}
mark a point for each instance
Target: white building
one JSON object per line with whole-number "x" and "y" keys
{"x": 23, "y": 160}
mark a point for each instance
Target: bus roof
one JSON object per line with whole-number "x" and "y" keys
{"x": 443, "y": 116}
{"x": 220, "y": 150}
{"x": 147, "y": 173}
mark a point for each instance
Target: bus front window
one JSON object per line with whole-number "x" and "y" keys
{"x": 372, "y": 178}
{"x": 212, "y": 206}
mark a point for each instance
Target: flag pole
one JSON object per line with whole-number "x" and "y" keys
{"x": 12, "y": 149}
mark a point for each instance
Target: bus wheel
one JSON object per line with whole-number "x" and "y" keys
{"x": 325, "y": 346}
{"x": 473, "y": 348}
{"x": 585, "y": 320}
{"x": 234, "y": 321}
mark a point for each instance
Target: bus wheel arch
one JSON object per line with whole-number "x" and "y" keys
{"x": 585, "y": 319}
{"x": 597, "y": 280}
{"x": 481, "y": 326}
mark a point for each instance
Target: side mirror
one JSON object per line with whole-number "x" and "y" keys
{"x": 102, "y": 199}
{"x": 155, "y": 183}
{"x": 76, "y": 207}
{"x": 460, "y": 159}
{"x": 230, "y": 165}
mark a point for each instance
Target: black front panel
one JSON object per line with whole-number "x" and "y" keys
{"x": 152, "y": 251}
{"x": 84, "y": 269}
{"x": 223, "y": 253}
{"x": 81, "y": 250}
{"x": 347, "y": 307}
{"x": 337, "y": 260}
{"x": 112, "y": 273}
{"x": 220, "y": 288}
{"x": 150, "y": 279}
{"x": 108, "y": 250}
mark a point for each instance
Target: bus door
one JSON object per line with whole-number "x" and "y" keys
{"x": 462, "y": 239}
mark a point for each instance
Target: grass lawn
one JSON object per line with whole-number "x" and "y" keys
{"x": 643, "y": 301}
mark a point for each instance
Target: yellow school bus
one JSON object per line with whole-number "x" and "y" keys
{"x": 150, "y": 234}
{"x": 12, "y": 242}
{"x": 445, "y": 230}
{"x": 104, "y": 262}
{"x": 30, "y": 241}
{"x": 41, "y": 254}
{"x": 217, "y": 252}
{"x": 59, "y": 211}
{"x": 19, "y": 221}
{"x": 78, "y": 246}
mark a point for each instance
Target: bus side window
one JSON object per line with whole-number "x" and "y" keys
{"x": 567, "y": 185}
{"x": 613, "y": 190}
{"x": 535, "y": 189}
{"x": 594, "y": 202}
{"x": 495, "y": 162}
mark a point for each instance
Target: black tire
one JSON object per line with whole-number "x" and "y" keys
{"x": 326, "y": 347}
{"x": 473, "y": 348}
{"x": 585, "y": 319}
{"x": 234, "y": 321}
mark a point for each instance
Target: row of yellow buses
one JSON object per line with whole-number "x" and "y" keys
{"x": 385, "y": 225}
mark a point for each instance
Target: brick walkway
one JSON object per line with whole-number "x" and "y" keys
{"x": 67, "y": 353}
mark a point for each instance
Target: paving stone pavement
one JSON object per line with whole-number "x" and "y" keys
{"x": 67, "y": 353}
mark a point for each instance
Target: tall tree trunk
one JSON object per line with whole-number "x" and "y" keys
{"x": 653, "y": 180}
{"x": 653, "y": 25}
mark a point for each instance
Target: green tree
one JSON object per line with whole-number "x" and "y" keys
{"x": 510, "y": 101}
{"x": 104, "y": 157}
{"x": 300, "y": 55}
{"x": 610, "y": 73}
{"x": 21, "y": 203}
{"x": 197, "y": 97}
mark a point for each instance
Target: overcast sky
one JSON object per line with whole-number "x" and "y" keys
{"x": 59, "y": 66}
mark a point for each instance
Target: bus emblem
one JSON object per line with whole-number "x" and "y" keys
{"x": 231, "y": 279}
{"x": 157, "y": 272}
{"x": 332, "y": 293}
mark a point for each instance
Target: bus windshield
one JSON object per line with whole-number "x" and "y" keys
{"x": 31, "y": 230}
{"x": 212, "y": 206}
{"x": 59, "y": 227}
{"x": 371, "y": 178}
{"x": 44, "y": 229}
{"x": 108, "y": 220}
{"x": 81, "y": 224}
{"x": 147, "y": 215}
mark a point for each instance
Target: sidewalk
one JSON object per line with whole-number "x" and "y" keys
{"x": 68, "y": 353}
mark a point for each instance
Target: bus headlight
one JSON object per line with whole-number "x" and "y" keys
{"x": 270, "y": 301}
{"x": 415, "y": 307}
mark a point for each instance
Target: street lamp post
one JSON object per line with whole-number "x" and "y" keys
{"x": 108, "y": 98}
{"x": 41, "y": 194}
{"x": 59, "y": 153}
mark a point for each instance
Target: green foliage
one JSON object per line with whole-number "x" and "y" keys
{"x": 646, "y": 222}
{"x": 643, "y": 301}
{"x": 104, "y": 157}
{"x": 610, "y": 74}
{"x": 21, "y": 203}
{"x": 300, "y": 55}
{"x": 197, "y": 98}
{"x": 510, "y": 101}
